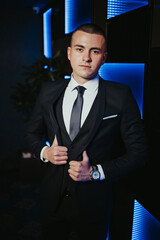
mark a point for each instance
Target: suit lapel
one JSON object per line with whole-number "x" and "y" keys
{"x": 99, "y": 111}
{"x": 50, "y": 108}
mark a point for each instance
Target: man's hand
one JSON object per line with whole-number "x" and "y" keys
{"x": 79, "y": 171}
{"x": 56, "y": 154}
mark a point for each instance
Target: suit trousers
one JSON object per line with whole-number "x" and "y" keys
{"x": 65, "y": 224}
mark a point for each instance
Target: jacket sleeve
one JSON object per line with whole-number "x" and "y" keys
{"x": 35, "y": 133}
{"x": 134, "y": 140}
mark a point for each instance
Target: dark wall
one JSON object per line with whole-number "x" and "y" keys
{"x": 20, "y": 42}
{"x": 135, "y": 37}
{"x": 129, "y": 36}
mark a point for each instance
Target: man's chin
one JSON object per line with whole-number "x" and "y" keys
{"x": 84, "y": 77}
{"x": 89, "y": 76}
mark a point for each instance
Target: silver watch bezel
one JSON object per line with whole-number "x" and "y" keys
{"x": 95, "y": 172}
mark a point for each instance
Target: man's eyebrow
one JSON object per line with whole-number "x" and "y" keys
{"x": 78, "y": 45}
{"x": 96, "y": 48}
{"x": 93, "y": 48}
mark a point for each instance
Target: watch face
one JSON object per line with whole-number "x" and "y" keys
{"x": 96, "y": 175}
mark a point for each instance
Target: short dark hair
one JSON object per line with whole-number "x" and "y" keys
{"x": 90, "y": 28}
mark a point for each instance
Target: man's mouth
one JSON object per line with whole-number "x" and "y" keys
{"x": 85, "y": 66}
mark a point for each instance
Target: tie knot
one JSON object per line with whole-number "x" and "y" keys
{"x": 80, "y": 89}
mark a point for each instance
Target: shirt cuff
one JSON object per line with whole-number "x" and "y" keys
{"x": 100, "y": 169}
{"x": 41, "y": 154}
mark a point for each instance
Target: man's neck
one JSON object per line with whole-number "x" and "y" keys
{"x": 82, "y": 81}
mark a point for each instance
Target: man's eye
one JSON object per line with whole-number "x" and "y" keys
{"x": 79, "y": 49}
{"x": 96, "y": 51}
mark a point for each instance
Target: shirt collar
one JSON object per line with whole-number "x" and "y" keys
{"x": 91, "y": 85}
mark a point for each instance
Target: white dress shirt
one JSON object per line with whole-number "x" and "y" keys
{"x": 90, "y": 93}
{"x": 70, "y": 96}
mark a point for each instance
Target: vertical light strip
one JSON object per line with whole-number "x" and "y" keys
{"x": 77, "y": 12}
{"x": 138, "y": 222}
{"x": 47, "y": 33}
{"x": 67, "y": 15}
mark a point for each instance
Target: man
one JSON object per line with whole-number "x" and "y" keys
{"x": 83, "y": 162}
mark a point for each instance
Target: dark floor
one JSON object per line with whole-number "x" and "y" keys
{"x": 19, "y": 208}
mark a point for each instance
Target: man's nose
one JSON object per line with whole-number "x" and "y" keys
{"x": 87, "y": 56}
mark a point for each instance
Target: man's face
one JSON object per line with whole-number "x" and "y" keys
{"x": 86, "y": 54}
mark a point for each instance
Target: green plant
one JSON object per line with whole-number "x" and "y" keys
{"x": 25, "y": 93}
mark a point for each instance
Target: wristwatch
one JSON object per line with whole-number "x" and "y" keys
{"x": 94, "y": 174}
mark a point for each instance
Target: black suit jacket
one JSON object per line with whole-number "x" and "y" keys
{"x": 114, "y": 117}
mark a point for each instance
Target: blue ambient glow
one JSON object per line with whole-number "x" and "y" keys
{"x": 130, "y": 74}
{"x": 47, "y": 143}
{"x": 47, "y": 34}
{"x": 67, "y": 77}
{"x": 117, "y": 7}
{"x": 77, "y": 12}
{"x": 145, "y": 226}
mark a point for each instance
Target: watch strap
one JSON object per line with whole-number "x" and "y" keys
{"x": 94, "y": 168}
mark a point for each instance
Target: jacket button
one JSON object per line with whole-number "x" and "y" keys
{"x": 67, "y": 193}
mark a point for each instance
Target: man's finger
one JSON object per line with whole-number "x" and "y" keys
{"x": 60, "y": 162}
{"x": 60, "y": 150}
{"x": 60, "y": 153}
{"x": 74, "y": 163}
{"x": 74, "y": 175}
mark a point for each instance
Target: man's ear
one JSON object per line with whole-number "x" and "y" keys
{"x": 68, "y": 52}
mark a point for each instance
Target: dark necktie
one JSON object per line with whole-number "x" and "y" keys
{"x": 75, "y": 120}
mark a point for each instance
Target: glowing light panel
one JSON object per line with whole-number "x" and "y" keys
{"x": 47, "y": 34}
{"x": 117, "y": 7}
{"x": 145, "y": 226}
{"x": 130, "y": 74}
{"x": 77, "y": 12}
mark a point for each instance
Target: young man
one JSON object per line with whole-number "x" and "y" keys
{"x": 84, "y": 120}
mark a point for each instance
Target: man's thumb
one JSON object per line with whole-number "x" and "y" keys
{"x": 55, "y": 142}
{"x": 85, "y": 156}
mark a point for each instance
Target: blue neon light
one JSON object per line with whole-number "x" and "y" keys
{"x": 67, "y": 77}
{"x": 77, "y": 12}
{"x": 47, "y": 34}
{"x": 47, "y": 143}
{"x": 131, "y": 74}
{"x": 117, "y": 7}
{"x": 145, "y": 226}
